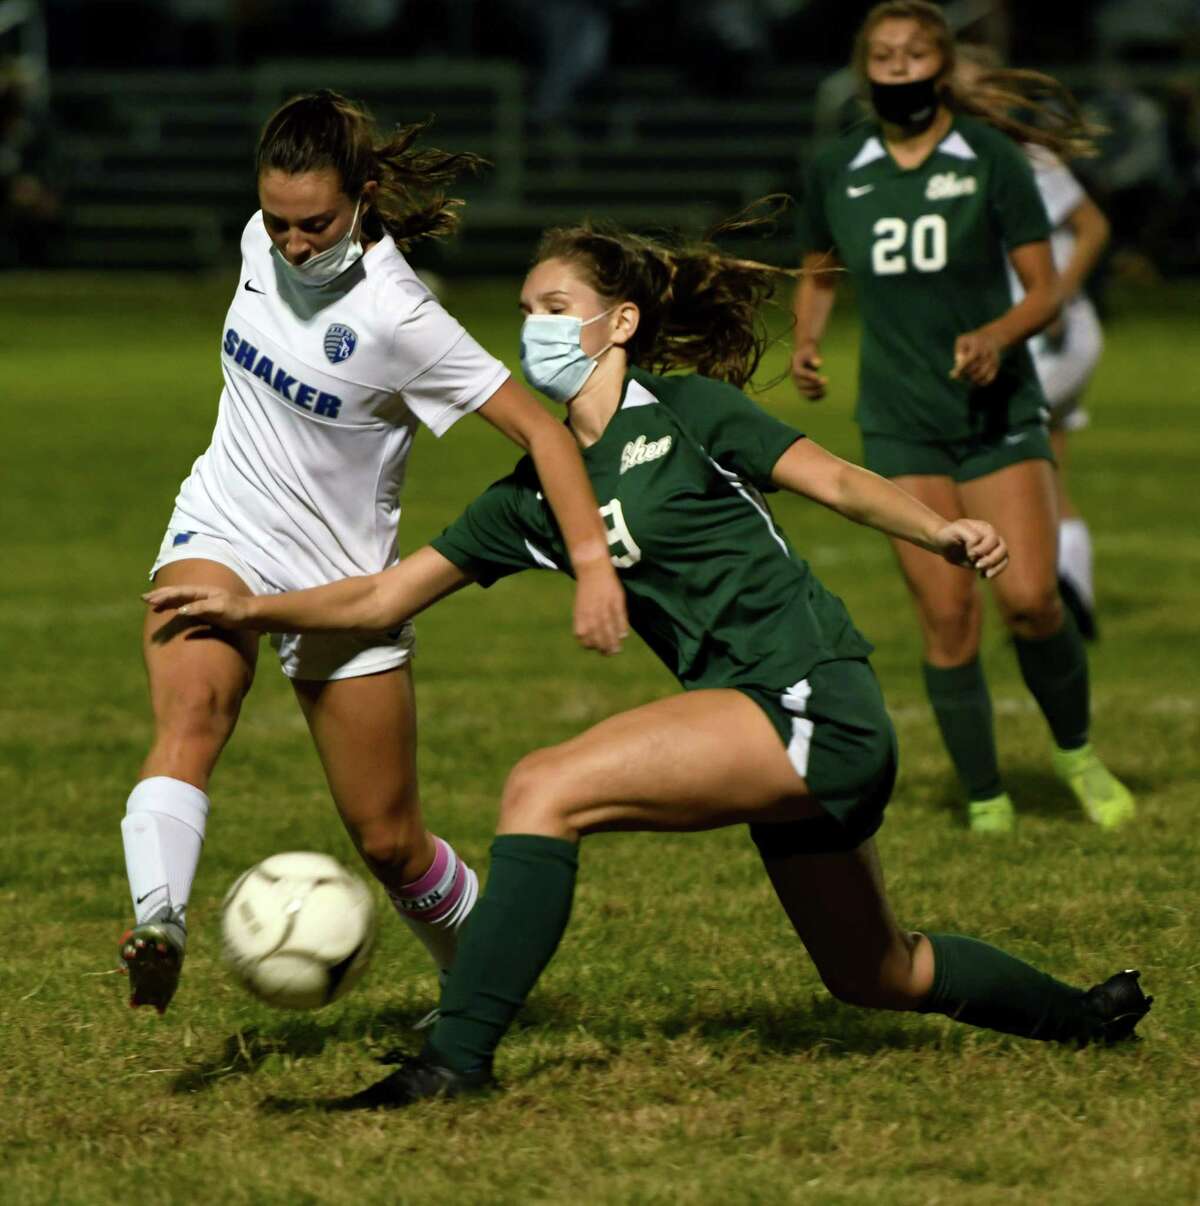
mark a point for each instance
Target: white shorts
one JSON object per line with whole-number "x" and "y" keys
{"x": 312, "y": 655}
{"x": 1065, "y": 366}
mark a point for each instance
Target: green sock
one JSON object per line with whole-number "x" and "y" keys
{"x": 1055, "y": 670}
{"x": 511, "y": 935}
{"x": 963, "y": 709}
{"x": 985, "y": 986}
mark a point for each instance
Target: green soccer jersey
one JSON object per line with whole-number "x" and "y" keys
{"x": 713, "y": 587}
{"x": 927, "y": 248}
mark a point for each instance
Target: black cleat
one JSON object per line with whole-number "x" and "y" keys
{"x": 152, "y": 957}
{"x": 416, "y": 1079}
{"x": 1115, "y": 1007}
{"x": 1085, "y": 617}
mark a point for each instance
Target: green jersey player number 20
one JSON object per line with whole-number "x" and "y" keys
{"x": 928, "y": 205}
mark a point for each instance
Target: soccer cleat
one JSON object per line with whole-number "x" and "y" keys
{"x": 1105, "y": 799}
{"x": 416, "y": 1079}
{"x": 991, "y": 816}
{"x": 1115, "y": 1007}
{"x": 152, "y": 957}
{"x": 1074, "y": 602}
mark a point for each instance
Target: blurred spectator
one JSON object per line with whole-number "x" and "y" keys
{"x": 571, "y": 40}
{"x": 1132, "y": 178}
{"x": 1147, "y": 29}
{"x": 29, "y": 207}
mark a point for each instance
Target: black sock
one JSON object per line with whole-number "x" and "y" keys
{"x": 985, "y": 986}
{"x": 963, "y": 709}
{"x": 1055, "y": 670}
{"x": 511, "y": 935}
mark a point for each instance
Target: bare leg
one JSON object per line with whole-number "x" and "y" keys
{"x": 365, "y": 729}
{"x": 838, "y": 907}
{"x": 198, "y": 677}
{"x": 1019, "y": 502}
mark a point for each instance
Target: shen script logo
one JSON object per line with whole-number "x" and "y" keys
{"x": 949, "y": 184}
{"x": 639, "y": 451}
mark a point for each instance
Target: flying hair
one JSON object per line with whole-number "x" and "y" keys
{"x": 1028, "y": 106}
{"x": 700, "y": 309}
{"x": 323, "y": 130}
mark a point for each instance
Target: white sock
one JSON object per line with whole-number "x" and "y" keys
{"x": 436, "y": 905}
{"x": 163, "y": 832}
{"x": 1075, "y": 558}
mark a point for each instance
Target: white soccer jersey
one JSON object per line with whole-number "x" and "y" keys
{"x": 1065, "y": 365}
{"x": 324, "y": 390}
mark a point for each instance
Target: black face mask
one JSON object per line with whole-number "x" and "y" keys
{"x": 912, "y": 105}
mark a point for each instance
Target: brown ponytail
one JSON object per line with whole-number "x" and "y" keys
{"x": 699, "y": 308}
{"x": 1028, "y": 106}
{"x": 323, "y": 130}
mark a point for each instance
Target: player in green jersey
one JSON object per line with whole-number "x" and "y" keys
{"x": 926, "y": 206}
{"x": 781, "y": 723}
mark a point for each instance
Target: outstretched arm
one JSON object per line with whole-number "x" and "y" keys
{"x": 373, "y": 603}
{"x": 865, "y": 497}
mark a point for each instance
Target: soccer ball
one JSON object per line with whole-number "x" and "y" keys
{"x": 298, "y": 929}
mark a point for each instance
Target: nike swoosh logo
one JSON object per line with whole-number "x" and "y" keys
{"x": 141, "y": 898}
{"x": 858, "y": 190}
{"x": 1016, "y": 438}
{"x": 251, "y": 289}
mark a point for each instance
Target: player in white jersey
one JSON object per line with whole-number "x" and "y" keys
{"x": 1066, "y": 353}
{"x": 333, "y": 353}
{"x": 1065, "y": 356}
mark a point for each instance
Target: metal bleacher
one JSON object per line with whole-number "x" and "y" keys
{"x": 159, "y": 165}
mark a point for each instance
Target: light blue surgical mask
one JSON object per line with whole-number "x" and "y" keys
{"x": 323, "y": 267}
{"x": 552, "y": 356}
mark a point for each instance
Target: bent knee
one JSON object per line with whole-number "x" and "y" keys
{"x": 198, "y": 712}
{"x": 537, "y": 794}
{"x": 951, "y": 628}
{"x": 1034, "y": 612}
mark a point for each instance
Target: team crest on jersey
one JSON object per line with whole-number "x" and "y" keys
{"x": 949, "y": 184}
{"x": 340, "y": 342}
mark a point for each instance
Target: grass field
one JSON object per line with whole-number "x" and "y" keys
{"x": 680, "y": 1048}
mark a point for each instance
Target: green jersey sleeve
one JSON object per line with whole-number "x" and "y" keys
{"x": 812, "y": 224}
{"x": 498, "y": 534}
{"x": 733, "y": 431}
{"x": 1017, "y": 205}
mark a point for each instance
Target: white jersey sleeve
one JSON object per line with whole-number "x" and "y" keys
{"x": 440, "y": 371}
{"x": 1061, "y": 193}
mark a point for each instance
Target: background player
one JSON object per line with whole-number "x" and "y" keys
{"x": 333, "y": 354}
{"x": 926, "y": 206}
{"x": 1066, "y": 353}
{"x": 781, "y": 722}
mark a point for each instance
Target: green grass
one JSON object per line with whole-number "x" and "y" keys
{"x": 680, "y": 1048}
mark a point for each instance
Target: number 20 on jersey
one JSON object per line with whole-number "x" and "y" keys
{"x": 897, "y": 245}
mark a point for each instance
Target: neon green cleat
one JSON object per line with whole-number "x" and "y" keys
{"x": 1106, "y": 800}
{"x": 991, "y": 816}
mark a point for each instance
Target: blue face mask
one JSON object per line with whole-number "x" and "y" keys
{"x": 552, "y": 356}
{"x": 329, "y": 264}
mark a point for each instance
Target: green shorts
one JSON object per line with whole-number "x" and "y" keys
{"x": 840, "y": 739}
{"x": 962, "y": 460}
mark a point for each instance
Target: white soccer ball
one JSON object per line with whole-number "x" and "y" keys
{"x": 298, "y": 929}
